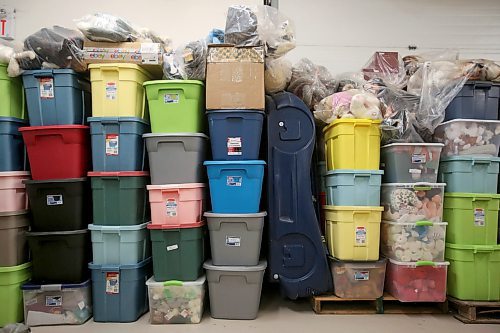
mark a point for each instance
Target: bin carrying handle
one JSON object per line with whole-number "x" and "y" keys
{"x": 481, "y": 199}
{"x": 424, "y": 223}
{"x": 51, "y": 287}
{"x": 484, "y": 249}
{"x": 109, "y": 68}
{"x": 173, "y": 283}
{"x": 425, "y": 263}
{"x": 43, "y": 73}
{"x": 474, "y": 162}
{"x": 482, "y": 85}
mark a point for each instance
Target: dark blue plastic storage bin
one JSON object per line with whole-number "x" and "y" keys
{"x": 476, "y": 100}
{"x": 117, "y": 143}
{"x": 56, "y": 97}
{"x": 119, "y": 292}
{"x": 235, "y": 134}
{"x": 12, "y": 156}
{"x": 297, "y": 256}
{"x": 235, "y": 187}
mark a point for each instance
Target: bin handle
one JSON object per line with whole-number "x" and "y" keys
{"x": 424, "y": 223}
{"x": 482, "y": 85}
{"x": 424, "y": 263}
{"x": 363, "y": 124}
{"x": 51, "y": 287}
{"x": 422, "y": 188}
{"x": 484, "y": 249}
{"x": 40, "y": 74}
{"x": 173, "y": 283}
{"x": 109, "y": 68}
{"x": 481, "y": 162}
{"x": 481, "y": 199}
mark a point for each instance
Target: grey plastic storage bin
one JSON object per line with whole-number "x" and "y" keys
{"x": 235, "y": 239}
{"x": 235, "y": 290}
{"x": 470, "y": 174}
{"x": 13, "y": 245}
{"x": 176, "y": 158}
{"x": 119, "y": 292}
{"x": 117, "y": 143}
{"x": 353, "y": 187}
{"x": 120, "y": 245}
{"x": 476, "y": 100}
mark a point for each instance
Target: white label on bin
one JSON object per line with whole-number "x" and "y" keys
{"x": 234, "y": 181}
{"x": 479, "y": 220}
{"x": 361, "y": 275}
{"x": 233, "y": 241}
{"x": 112, "y": 144}
{"x": 172, "y": 247}
{"x": 53, "y": 300}
{"x": 185, "y": 313}
{"x": 54, "y": 199}
{"x": 418, "y": 158}
{"x": 415, "y": 171}
{"x": 171, "y": 205}
{"x": 112, "y": 283}
{"x": 360, "y": 235}
{"x": 149, "y": 53}
{"x": 234, "y": 146}
{"x": 111, "y": 90}
{"x": 46, "y": 88}
{"x": 81, "y": 305}
{"x": 171, "y": 98}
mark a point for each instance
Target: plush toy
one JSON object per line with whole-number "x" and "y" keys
{"x": 277, "y": 75}
{"x": 408, "y": 205}
{"x": 348, "y": 104}
{"x": 176, "y": 304}
{"x": 365, "y": 106}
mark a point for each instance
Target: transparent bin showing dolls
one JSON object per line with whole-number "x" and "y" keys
{"x": 412, "y": 202}
{"x": 419, "y": 241}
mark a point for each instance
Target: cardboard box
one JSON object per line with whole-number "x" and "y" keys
{"x": 235, "y": 77}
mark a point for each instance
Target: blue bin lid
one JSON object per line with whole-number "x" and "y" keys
{"x": 253, "y": 162}
{"x": 141, "y": 264}
{"x": 117, "y": 119}
{"x": 53, "y": 287}
{"x": 471, "y": 158}
{"x": 50, "y": 71}
{"x": 235, "y": 111}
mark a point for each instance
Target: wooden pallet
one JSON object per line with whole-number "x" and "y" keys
{"x": 472, "y": 312}
{"x": 331, "y": 304}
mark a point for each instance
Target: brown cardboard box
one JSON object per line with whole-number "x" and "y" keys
{"x": 235, "y": 77}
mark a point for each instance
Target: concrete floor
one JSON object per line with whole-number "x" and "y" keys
{"x": 278, "y": 315}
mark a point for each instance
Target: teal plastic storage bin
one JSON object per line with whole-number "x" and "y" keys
{"x": 235, "y": 186}
{"x": 112, "y": 245}
{"x": 353, "y": 187}
{"x": 470, "y": 174}
{"x": 119, "y": 292}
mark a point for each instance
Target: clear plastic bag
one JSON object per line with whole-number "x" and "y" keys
{"x": 277, "y": 75}
{"x": 215, "y": 36}
{"x": 481, "y": 69}
{"x": 188, "y": 62}
{"x": 350, "y": 80}
{"x": 241, "y": 26}
{"x": 101, "y": 27}
{"x": 55, "y": 47}
{"x": 276, "y": 31}
{"x": 311, "y": 82}
{"x": 413, "y": 62}
{"x": 387, "y": 66}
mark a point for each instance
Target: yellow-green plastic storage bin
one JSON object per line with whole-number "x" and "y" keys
{"x": 11, "y": 296}
{"x": 353, "y": 232}
{"x": 176, "y": 106}
{"x": 472, "y": 218}
{"x": 353, "y": 144}
{"x": 474, "y": 272}
{"x": 117, "y": 90}
{"x": 11, "y": 95}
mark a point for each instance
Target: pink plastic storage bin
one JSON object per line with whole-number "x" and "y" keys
{"x": 12, "y": 191}
{"x": 421, "y": 281}
{"x": 177, "y": 204}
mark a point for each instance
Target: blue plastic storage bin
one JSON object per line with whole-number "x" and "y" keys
{"x": 117, "y": 143}
{"x": 476, "y": 100}
{"x": 12, "y": 155}
{"x": 353, "y": 187}
{"x": 469, "y": 174}
{"x": 235, "y": 134}
{"x": 235, "y": 187}
{"x": 119, "y": 292}
{"x": 56, "y": 97}
{"x": 297, "y": 256}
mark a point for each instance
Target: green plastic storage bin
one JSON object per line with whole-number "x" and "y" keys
{"x": 474, "y": 272}
{"x": 11, "y": 296}
{"x": 472, "y": 218}
{"x": 178, "y": 253}
{"x": 473, "y": 174}
{"x": 120, "y": 198}
{"x": 176, "y": 106}
{"x": 11, "y": 95}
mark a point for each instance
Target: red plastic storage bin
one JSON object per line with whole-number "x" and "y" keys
{"x": 57, "y": 152}
{"x": 422, "y": 281}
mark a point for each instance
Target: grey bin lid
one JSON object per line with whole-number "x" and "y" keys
{"x": 210, "y": 214}
{"x": 262, "y": 265}
{"x": 162, "y": 135}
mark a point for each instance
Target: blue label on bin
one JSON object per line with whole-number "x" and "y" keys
{"x": 171, "y": 98}
{"x": 361, "y": 275}
{"x": 234, "y": 181}
{"x": 54, "y": 199}
{"x": 53, "y": 300}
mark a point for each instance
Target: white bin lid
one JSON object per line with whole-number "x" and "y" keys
{"x": 426, "y": 144}
{"x": 417, "y": 223}
{"x": 413, "y": 185}
{"x": 259, "y": 267}
{"x": 172, "y": 283}
{"x": 94, "y": 227}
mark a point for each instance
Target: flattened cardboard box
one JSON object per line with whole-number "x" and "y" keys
{"x": 235, "y": 77}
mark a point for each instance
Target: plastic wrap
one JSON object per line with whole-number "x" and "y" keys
{"x": 277, "y": 75}
{"x": 187, "y": 62}
{"x": 100, "y": 27}
{"x": 215, "y": 36}
{"x": 276, "y": 31}
{"x": 311, "y": 82}
{"x": 241, "y": 26}
{"x": 347, "y": 81}
{"x": 413, "y": 62}
{"x": 387, "y": 66}
{"x": 481, "y": 69}
{"x": 54, "y": 47}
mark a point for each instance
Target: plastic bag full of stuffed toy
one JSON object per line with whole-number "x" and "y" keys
{"x": 276, "y": 31}
{"x": 101, "y": 27}
{"x": 187, "y": 62}
{"x": 277, "y": 75}
{"x": 241, "y": 26}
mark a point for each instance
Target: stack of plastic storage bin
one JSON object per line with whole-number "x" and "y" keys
{"x": 469, "y": 166}
{"x": 120, "y": 241}
{"x": 235, "y": 224}
{"x": 353, "y": 212}
{"x": 57, "y": 142}
{"x": 14, "y": 220}
{"x": 176, "y": 148}
{"x": 413, "y": 233}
